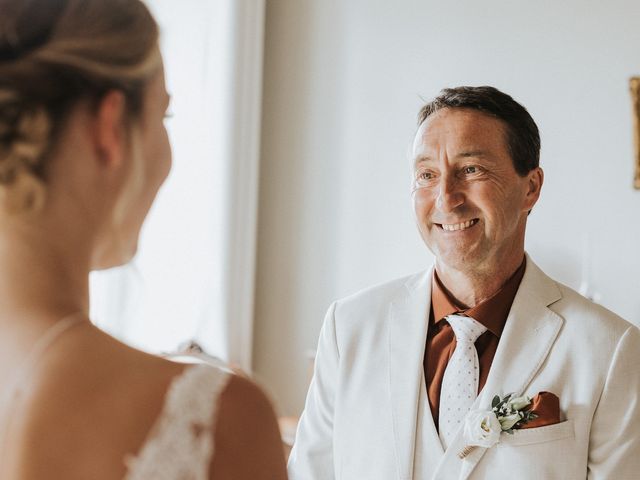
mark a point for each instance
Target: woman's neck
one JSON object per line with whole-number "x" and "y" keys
{"x": 43, "y": 275}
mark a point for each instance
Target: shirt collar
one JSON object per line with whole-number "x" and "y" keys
{"x": 492, "y": 312}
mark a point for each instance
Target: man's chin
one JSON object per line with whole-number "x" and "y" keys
{"x": 459, "y": 260}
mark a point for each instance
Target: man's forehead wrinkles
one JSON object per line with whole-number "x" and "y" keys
{"x": 427, "y": 158}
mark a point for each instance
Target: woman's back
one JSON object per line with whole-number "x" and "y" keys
{"x": 97, "y": 409}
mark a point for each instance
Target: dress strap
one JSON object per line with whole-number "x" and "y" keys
{"x": 11, "y": 394}
{"x": 47, "y": 339}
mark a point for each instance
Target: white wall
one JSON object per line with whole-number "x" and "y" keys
{"x": 343, "y": 83}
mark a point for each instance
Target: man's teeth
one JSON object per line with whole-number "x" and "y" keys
{"x": 458, "y": 226}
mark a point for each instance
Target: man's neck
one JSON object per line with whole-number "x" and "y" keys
{"x": 469, "y": 288}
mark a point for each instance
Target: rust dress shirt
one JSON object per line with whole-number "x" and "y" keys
{"x": 441, "y": 341}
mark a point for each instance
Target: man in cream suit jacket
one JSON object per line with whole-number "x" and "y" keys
{"x": 376, "y": 403}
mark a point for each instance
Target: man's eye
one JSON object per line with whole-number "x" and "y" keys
{"x": 425, "y": 175}
{"x": 471, "y": 169}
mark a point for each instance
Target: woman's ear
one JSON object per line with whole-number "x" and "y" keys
{"x": 535, "y": 179}
{"x": 110, "y": 134}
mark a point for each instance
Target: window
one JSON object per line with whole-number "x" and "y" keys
{"x": 194, "y": 273}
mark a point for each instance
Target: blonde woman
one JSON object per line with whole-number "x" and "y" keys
{"x": 83, "y": 151}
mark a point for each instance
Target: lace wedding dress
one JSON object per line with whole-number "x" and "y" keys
{"x": 180, "y": 445}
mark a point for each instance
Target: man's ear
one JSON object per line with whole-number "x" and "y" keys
{"x": 535, "y": 179}
{"x": 110, "y": 134}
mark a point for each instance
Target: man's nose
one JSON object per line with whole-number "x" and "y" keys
{"x": 450, "y": 195}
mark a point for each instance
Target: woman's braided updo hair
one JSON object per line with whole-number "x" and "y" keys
{"x": 53, "y": 55}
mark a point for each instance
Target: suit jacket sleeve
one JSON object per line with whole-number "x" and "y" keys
{"x": 614, "y": 444}
{"x": 312, "y": 454}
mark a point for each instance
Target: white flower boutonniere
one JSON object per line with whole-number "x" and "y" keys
{"x": 482, "y": 428}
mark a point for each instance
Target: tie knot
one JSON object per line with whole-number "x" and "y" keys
{"x": 466, "y": 329}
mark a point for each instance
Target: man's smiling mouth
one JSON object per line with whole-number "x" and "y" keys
{"x": 452, "y": 227}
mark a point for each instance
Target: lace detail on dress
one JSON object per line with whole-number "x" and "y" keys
{"x": 180, "y": 445}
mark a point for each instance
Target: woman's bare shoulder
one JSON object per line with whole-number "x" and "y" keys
{"x": 94, "y": 399}
{"x": 247, "y": 439}
{"x": 99, "y": 369}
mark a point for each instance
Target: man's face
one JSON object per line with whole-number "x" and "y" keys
{"x": 471, "y": 205}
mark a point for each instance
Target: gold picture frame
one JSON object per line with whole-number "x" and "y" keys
{"x": 634, "y": 85}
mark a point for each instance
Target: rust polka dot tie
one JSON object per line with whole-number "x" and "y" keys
{"x": 460, "y": 382}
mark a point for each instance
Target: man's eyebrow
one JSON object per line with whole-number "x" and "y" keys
{"x": 472, "y": 153}
{"x": 421, "y": 159}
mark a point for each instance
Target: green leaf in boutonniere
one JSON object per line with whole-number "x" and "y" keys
{"x": 482, "y": 428}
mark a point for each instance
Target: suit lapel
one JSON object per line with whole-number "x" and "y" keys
{"x": 529, "y": 333}
{"x": 408, "y": 321}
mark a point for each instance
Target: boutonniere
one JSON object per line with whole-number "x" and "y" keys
{"x": 482, "y": 428}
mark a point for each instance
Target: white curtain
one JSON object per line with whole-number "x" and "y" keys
{"x": 193, "y": 278}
